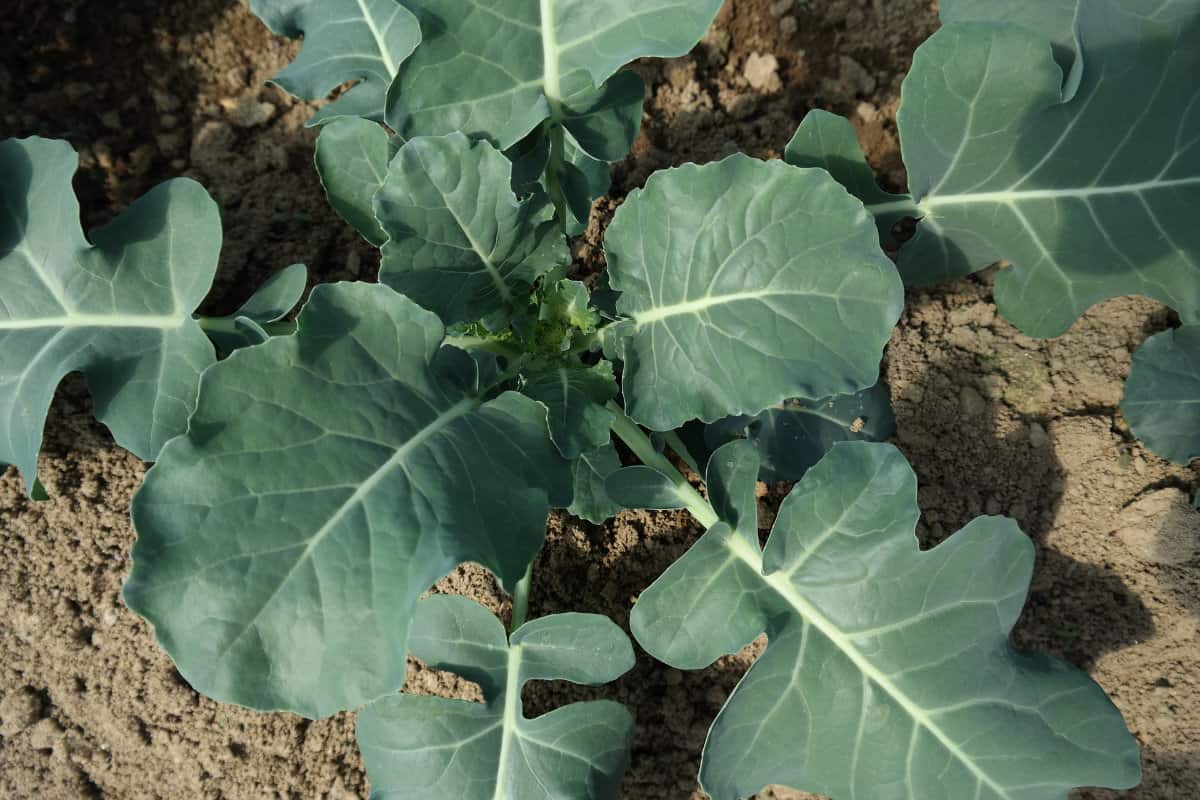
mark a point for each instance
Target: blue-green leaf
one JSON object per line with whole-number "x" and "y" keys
{"x": 460, "y": 242}
{"x": 344, "y": 40}
{"x": 1087, "y": 196}
{"x": 744, "y": 283}
{"x": 889, "y": 671}
{"x": 591, "y": 471}
{"x": 1162, "y": 394}
{"x": 273, "y": 301}
{"x": 574, "y": 397}
{"x": 420, "y": 747}
{"x": 1055, "y": 20}
{"x": 327, "y": 479}
{"x": 498, "y": 69}
{"x": 641, "y": 486}
{"x": 352, "y": 160}
{"x": 117, "y": 308}
{"x": 828, "y": 141}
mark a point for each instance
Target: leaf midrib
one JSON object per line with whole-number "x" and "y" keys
{"x": 510, "y": 719}
{"x": 778, "y": 581}
{"x": 1082, "y": 193}
{"x": 1011, "y": 197}
{"x": 696, "y": 306}
{"x": 551, "y": 80}
{"x": 163, "y": 322}
{"x": 384, "y": 55}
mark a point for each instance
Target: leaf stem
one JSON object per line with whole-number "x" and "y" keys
{"x": 676, "y": 444}
{"x": 636, "y": 440}
{"x": 520, "y": 600}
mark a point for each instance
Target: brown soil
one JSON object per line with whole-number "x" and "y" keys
{"x": 992, "y": 421}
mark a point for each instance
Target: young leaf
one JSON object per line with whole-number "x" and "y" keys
{"x": 744, "y": 283}
{"x": 344, "y": 40}
{"x": 606, "y": 126}
{"x": 461, "y": 243}
{"x": 1087, "y": 199}
{"x": 1162, "y": 395}
{"x": 582, "y": 177}
{"x": 591, "y": 471}
{"x": 1052, "y": 19}
{"x": 553, "y": 63}
{"x": 574, "y": 398}
{"x": 271, "y": 303}
{"x": 887, "y": 667}
{"x": 352, "y": 160}
{"x": 828, "y": 141}
{"x": 117, "y": 309}
{"x": 641, "y": 486}
{"x": 284, "y": 541}
{"x": 419, "y": 747}
{"x": 795, "y": 436}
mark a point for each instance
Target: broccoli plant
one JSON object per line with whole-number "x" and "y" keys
{"x": 321, "y": 478}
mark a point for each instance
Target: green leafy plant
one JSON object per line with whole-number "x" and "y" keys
{"x": 326, "y": 473}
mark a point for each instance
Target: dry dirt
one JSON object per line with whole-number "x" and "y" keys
{"x": 992, "y": 421}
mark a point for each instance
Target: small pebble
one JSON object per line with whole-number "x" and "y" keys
{"x": 1037, "y": 435}
{"x": 971, "y": 402}
{"x": 762, "y": 72}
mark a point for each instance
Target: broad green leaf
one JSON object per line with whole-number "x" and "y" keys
{"x": 1051, "y": 19}
{"x": 793, "y": 437}
{"x": 327, "y": 479}
{"x": 118, "y": 308}
{"x": 1087, "y": 198}
{"x": 273, "y": 301}
{"x": 889, "y": 671}
{"x": 497, "y": 69}
{"x": 591, "y": 471}
{"x": 1162, "y": 394}
{"x": 352, "y": 160}
{"x": 344, "y": 40}
{"x": 744, "y": 283}
{"x": 421, "y": 747}
{"x": 574, "y": 398}
{"x": 461, "y": 243}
